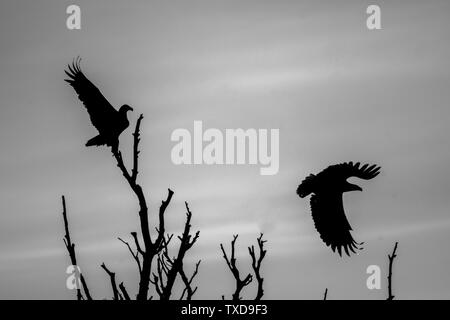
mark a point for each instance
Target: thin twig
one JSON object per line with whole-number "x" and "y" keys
{"x": 135, "y": 255}
{"x": 391, "y": 261}
{"x": 71, "y": 250}
{"x": 188, "y": 283}
{"x": 256, "y": 265}
{"x": 112, "y": 276}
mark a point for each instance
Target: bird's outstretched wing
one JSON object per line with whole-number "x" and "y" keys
{"x": 100, "y": 110}
{"x": 349, "y": 169}
{"x": 332, "y": 224}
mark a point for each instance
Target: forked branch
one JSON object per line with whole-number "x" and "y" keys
{"x": 256, "y": 265}
{"x": 231, "y": 262}
{"x": 168, "y": 267}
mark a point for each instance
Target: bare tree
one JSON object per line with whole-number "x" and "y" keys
{"x": 391, "y": 261}
{"x": 256, "y": 265}
{"x": 155, "y": 246}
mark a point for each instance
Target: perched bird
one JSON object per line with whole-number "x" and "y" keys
{"x": 109, "y": 122}
{"x": 327, "y": 207}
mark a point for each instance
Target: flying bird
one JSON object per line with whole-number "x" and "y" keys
{"x": 109, "y": 122}
{"x": 327, "y": 208}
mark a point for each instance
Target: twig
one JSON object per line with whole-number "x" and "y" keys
{"x": 162, "y": 210}
{"x": 325, "y": 294}
{"x": 135, "y": 255}
{"x": 391, "y": 261}
{"x": 256, "y": 265}
{"x": 71, "y": 250}
{"x": 112, "y": 275}
{"x": 136, "y": 242}
{"x": 187, "y": 283}
{"x": 136, "y": 151}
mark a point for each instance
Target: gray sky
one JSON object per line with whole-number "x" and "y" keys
{"x": 337, "y": 92}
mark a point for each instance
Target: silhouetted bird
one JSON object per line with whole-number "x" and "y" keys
{"x": 109, "y": 122}
{"x": 327, "y": 207}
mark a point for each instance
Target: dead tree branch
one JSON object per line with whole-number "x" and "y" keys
{"x": 136, "y": 242}
{"x": 391, "y": 261}
{"x": 188, "y": 283}
{"x": 71, "y": 250}
{"x": 135, "y": 255}
{"x": 168, "y": 268}
{"x": 143, "y": 211}
{"x": 124, "y": 291}
{"x": 256, "y": 265}
{"x": 150, "y": 249}
{"x": 240, "y": 283}
{"x": 112, "y": 276}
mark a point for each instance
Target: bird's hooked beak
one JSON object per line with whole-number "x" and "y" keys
{"x": 353, "y": 187}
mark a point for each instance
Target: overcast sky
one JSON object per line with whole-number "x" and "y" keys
{"x": 337, "y": 92}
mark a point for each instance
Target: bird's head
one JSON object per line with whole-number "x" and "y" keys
{"x": 351, "y": 187}
{"x": 125, "y": 108}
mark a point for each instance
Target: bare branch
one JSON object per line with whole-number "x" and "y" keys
{"x": 124, "y": 291}
{"x": 240, "y": 284}
{"x": 135, "y": 255}
{"x": 325, "y": 294}
{"x": 187, "y": 282}
{"x": 168, "y": 268}
{"x": 71, "y": 250}
{"x": 161, "y": 230}
{"x": 391, "y": 261}
{"x": 136, "y": 242}
{"x": 136, "y": 151}
{"x": 148, "y": 252}
{"x": 256, "y": 265}
{"x": 112, "y": 275}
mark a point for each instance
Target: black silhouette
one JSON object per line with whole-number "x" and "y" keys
{"x": 154, "y": 245}
{"x": 168, "y": 268}
{"x": 109, "y": 122}
{"x": 256, "y": 266}
{"x": 391, "y": 261}
{"x": 389, "y": 278}
{"x": 73, "y": 258}
{"x": 327, "y": 207}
